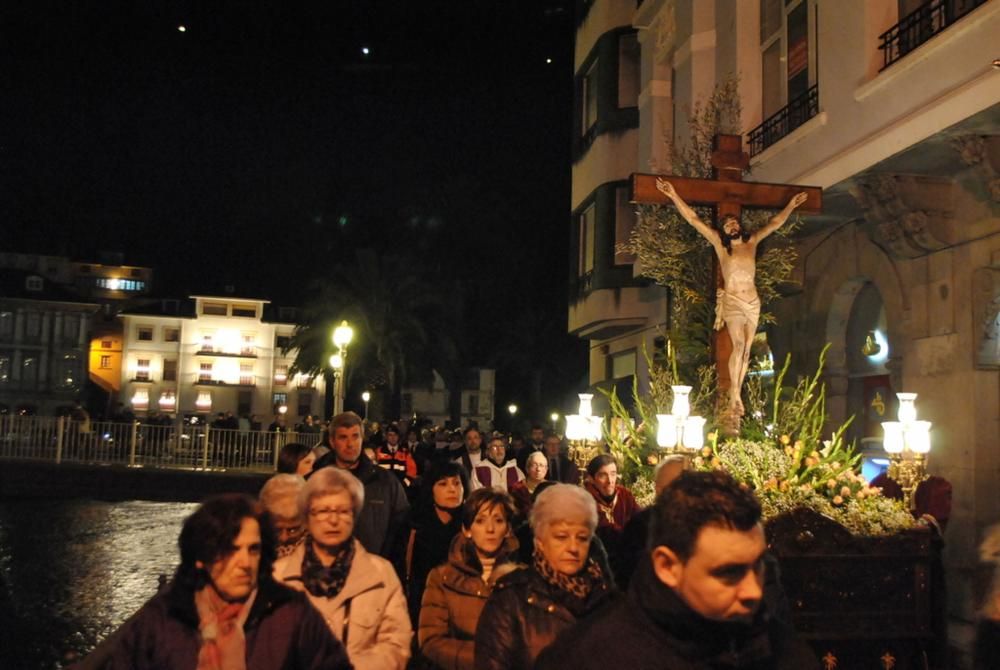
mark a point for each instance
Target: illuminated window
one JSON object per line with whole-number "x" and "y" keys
{"x": 4, "y": 369}
{"x": 249, "y": 348}
{"x": 105, "y": 362}
{"x": 205, "y": 372}
{"x": 246, "y": 374}
{"x": 106, "y": 344}
{"x": 204, "y": 401}
{"x": 140, "y": 399}
{"x": 206, "y": 343}
{"x": 280, "y": 374}
{"x": 168, "y": 400}
{"x": 142, "y": 370}
{"x": 144, "y": 334}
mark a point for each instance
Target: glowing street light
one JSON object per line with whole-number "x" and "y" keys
{"x": 366, "y": 396}
{"x": 342, "y": 336}
{"x": 555, "y": 420}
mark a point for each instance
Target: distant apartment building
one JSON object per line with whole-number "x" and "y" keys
{"x": 44, "y": 334}
{"x": 213, "y": 354}
{"x": 477, "y": 399}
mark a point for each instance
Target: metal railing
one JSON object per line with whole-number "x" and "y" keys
{"x": 784, "y": 121}
{"x": 920, "y": 25}
{"x": 200, "y": 447}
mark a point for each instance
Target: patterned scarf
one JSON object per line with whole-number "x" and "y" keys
{"x": 579, "y": 585}
{"x": 220, "y": 623}
{"x": 327, "y": 582}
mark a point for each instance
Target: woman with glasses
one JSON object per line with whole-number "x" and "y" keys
{"x": 358, "y": 593}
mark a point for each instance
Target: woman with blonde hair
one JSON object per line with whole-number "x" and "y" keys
{"x": 358, "y": 593}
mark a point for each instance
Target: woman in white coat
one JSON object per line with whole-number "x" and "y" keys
{"x": 358, "y": 593}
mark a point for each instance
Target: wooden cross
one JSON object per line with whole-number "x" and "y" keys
{"x": 727, "y": 194}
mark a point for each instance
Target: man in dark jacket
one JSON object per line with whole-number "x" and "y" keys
{"x": 382, "y": 519}
{"x": 695, "y": 603}
{"x": 223, "y": 609}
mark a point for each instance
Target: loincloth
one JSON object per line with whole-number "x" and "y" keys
{"x": 728, "y": 306}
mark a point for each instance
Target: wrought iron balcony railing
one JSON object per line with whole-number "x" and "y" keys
{"x": 784, "y": 121}
{"x": 920, "y": 25}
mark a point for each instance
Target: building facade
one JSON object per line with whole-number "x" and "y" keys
{"x": 209, "y": 355}
{"x": 44, "y": 332}
{"x": 893, "y": 108}
{"x": 433, "y": 401}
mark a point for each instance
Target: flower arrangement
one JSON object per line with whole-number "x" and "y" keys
{"x": 786, "y": 461}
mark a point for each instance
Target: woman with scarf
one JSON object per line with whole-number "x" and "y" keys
{"x": 457, "y": 591}
{"x": 435, "y": 520}
{"x": 357, "y": 593}
{"x": 530, "y": 607}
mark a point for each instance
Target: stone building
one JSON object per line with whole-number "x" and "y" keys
{"x": 893, "y": 108}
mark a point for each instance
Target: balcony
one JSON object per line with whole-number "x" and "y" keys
{"x": 784, "y": 121}
{"x": 244, "y": 382}
{"x": 245, "y": 352}
{"x": 920, "y": 25}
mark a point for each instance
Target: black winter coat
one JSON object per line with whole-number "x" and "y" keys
{"x": 283, "y": 632}
{"x": 523, "y": 616}
{"x": 652, "y": 629}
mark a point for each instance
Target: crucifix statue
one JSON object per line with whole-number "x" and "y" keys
{"x": 737, "y": 303}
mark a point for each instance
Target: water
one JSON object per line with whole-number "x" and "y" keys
{"x": 71, "y": 571}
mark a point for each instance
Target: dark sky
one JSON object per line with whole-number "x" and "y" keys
{"x": 260, "y": 145}
{"x": 230, "y": 146}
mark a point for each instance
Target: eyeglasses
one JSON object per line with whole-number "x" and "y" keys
{"x": 326, "y": 513}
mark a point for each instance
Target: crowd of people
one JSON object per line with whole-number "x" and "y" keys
{"x": 480, "y": 555}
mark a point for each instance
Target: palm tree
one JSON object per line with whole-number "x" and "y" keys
{"x": 391, "y": 308}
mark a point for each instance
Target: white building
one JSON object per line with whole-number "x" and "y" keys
{"x": 893, "y": 108}
{"x": 477, "y": 399}
{"x": 211, "y": 355}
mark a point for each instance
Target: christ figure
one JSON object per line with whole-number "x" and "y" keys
{"x": 737, "y": 305}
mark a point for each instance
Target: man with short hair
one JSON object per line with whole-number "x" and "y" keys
{"x": 396, "y": 458}
{"x": 697, "y": 599}
{"x": 471, "y": 455}
{"x": 496, "y": 471}
{"x": 562, "y": 469}
{"x": 615, "y": 507}
{"x": 382, "y": 517}
{"x": 223, "y": 608}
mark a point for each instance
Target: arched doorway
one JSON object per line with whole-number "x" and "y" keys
{"x": 870, "y": 396}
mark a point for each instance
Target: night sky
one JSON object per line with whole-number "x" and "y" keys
{"x": 260, "y": 145}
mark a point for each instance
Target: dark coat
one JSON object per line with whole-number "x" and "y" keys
{"x": 524, "y": 615}
{"x": 428, "y": 544}
{"x": 652, "y": 629}
{"x": 282, "y": 631}
{"x": 381, "y": 525}
{"x": 563, "y": 470}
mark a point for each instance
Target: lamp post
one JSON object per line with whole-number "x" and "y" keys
{"x": 366, "y": 396}
{"x": 582, "y": 428}
{"x": 555, "y": 421}
{"x": 907, "y": 442}
{"x": 679, "y": 431}
{"x": 342, "y": 336}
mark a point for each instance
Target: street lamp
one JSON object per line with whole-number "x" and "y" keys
{"x": 366, "y": 396}
{"x": 555, "y": 421}
{"x": 342, "y": 336}
{"x": 512, "y": 408}
{"x": 907, "y": 442}
{"x": 337, "y": 363}
{"x": 679, "y": 430}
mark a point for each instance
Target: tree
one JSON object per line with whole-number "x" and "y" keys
{"x": 392, "y": 309}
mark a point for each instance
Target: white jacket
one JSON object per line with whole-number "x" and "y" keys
{"x": 370, "y": 611}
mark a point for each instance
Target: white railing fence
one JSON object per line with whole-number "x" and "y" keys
{"x": 62, "y": 440}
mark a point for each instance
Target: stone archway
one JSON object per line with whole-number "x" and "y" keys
{"x": 841, "y": 269}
